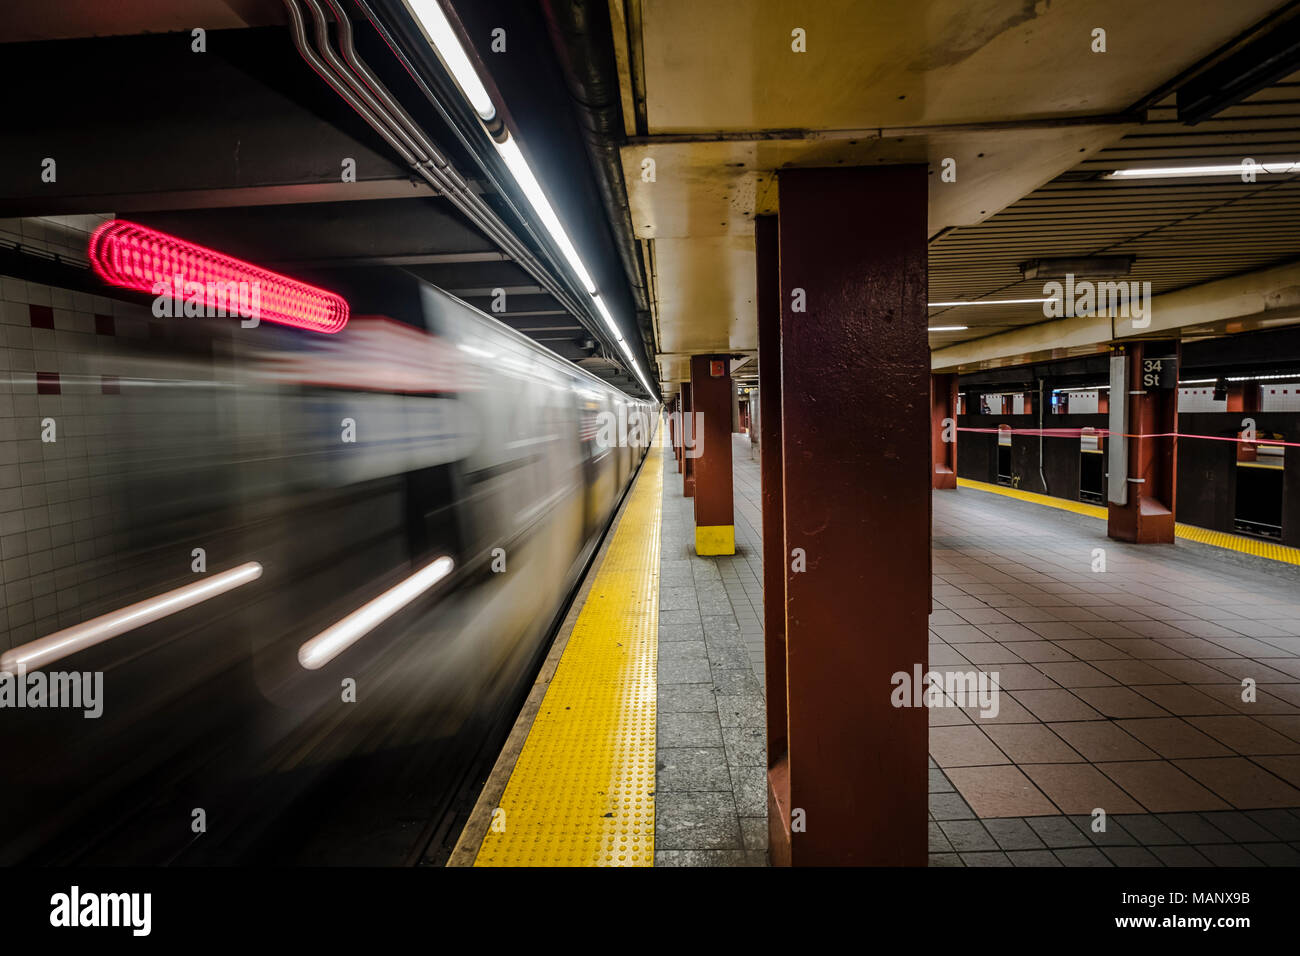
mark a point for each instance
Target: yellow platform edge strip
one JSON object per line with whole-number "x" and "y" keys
{"x": 1218, "y": 539}
{"x": 582, "y": 791}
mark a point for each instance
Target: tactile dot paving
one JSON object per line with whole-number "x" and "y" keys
{"x": 581, "y": 793}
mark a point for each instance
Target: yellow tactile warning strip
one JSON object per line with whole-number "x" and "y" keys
{"x": 1238, "y": 542}
{"x": 1078, "y": 507}
{"x": 582, "y": 791}
{"x": 1219, "y": 539}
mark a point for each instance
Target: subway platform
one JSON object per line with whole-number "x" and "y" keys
{"x": 1120, "y": 738}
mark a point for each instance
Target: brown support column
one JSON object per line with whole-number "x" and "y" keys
{"x": 677, "y": 449}
{"x": 1243, "y": 397}
{"x": 711, "y": 391}
{"x": 1147, "y": 517}
{"x": 768, "y": 302}
{"x": 855, "y": 368}
{"x": 670, "y": 408}
{"x": 690, "y": 441}
{"x": 943, "y": 430}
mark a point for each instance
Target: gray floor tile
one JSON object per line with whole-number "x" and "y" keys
{"x": 992, "y": 858}
{"x": 1082, "y": 856}
{"x": 741, "y": 711}
{"x": 710, "y": 858}
{"x": 691, "y": 768}
{"x": 753, "y": 831}
{"x": 696, "y": 821}
{"x": 746, "y": 746}
{"x": 687, "y": 698}
{"x": 689, "y": 730}
{"x": 967, "y": 835}
{"x": 1014, "y": 834}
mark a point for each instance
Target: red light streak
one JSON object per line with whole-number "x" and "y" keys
{"x": 132, "y": 256}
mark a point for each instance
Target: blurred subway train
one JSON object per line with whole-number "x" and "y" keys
{"x": 348, "y": 553}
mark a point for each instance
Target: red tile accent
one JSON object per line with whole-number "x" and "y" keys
{"x": 104, "y": 325}
{"x": 47, "y": 383}
{"x": 42, "y": 316}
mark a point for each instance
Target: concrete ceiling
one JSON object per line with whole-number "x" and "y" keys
{"x": 714, "y": 94}
{"x": 1183, "y": 233}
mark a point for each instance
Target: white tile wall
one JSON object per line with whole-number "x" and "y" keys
{"x": 1200, "y": 400}
{"x": 1280, "y": 398}
{"x": 57, "y": 533}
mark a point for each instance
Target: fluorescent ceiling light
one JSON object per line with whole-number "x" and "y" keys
{"x": 438, "y": 31}
{"x": 1061, "y": 266}
{"x": 446, "y": 43}
{"x": 1289, "y": 377}
{"x": 944, "y": 305}
{"x": 948, "y": 328}
{"x": 519, "y": 168}
{"x": 609, "y": 319}
{"x": 1275, "y": 167}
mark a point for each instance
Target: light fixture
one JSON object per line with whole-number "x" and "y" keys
{"x": 945, "y": 305}
{"x": 948, "y": 328}
{"x": 1262, "y": 378}
{"x": 132, "y": 256}
{"x": 1291, "y": 376}
{"x": 532, "y": 190}
{"x": 1060, "y": 267}
{"x": 1280, "y": 167}
{"x": 438, "y": 31}
{"x": 446, "y": 44}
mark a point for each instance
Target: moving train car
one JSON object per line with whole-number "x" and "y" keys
{"x": 349, "y": 552}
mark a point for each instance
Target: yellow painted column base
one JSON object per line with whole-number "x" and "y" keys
{"x": 715, "y": 539}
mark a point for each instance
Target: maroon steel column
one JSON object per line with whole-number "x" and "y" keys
{"x": 672, "y": 429}
{"x": 855, "y": 418}
{"x": 943, "y": 425}
{"x": 677, "y": 446}
{"x": 1148, "y": 516}
{"x": 768, "y": 301}
{"x": 690, "y": 441}
{"x": 711, "y": 400}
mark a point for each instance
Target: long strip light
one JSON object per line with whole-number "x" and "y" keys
{"x": 945, "y": 305}
{"x": 60, "y": 644}
{"x": 1278, "y": 167}
{"x": 1290, "y": 376}
{"x": 132, "y": 256}
{"x": 438, "y": 31}
{"x": 949, "y": 328}
{"x": 337, "y": 638}
{"x": 532, "y": 189}
{"x": 446, "y": 44}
